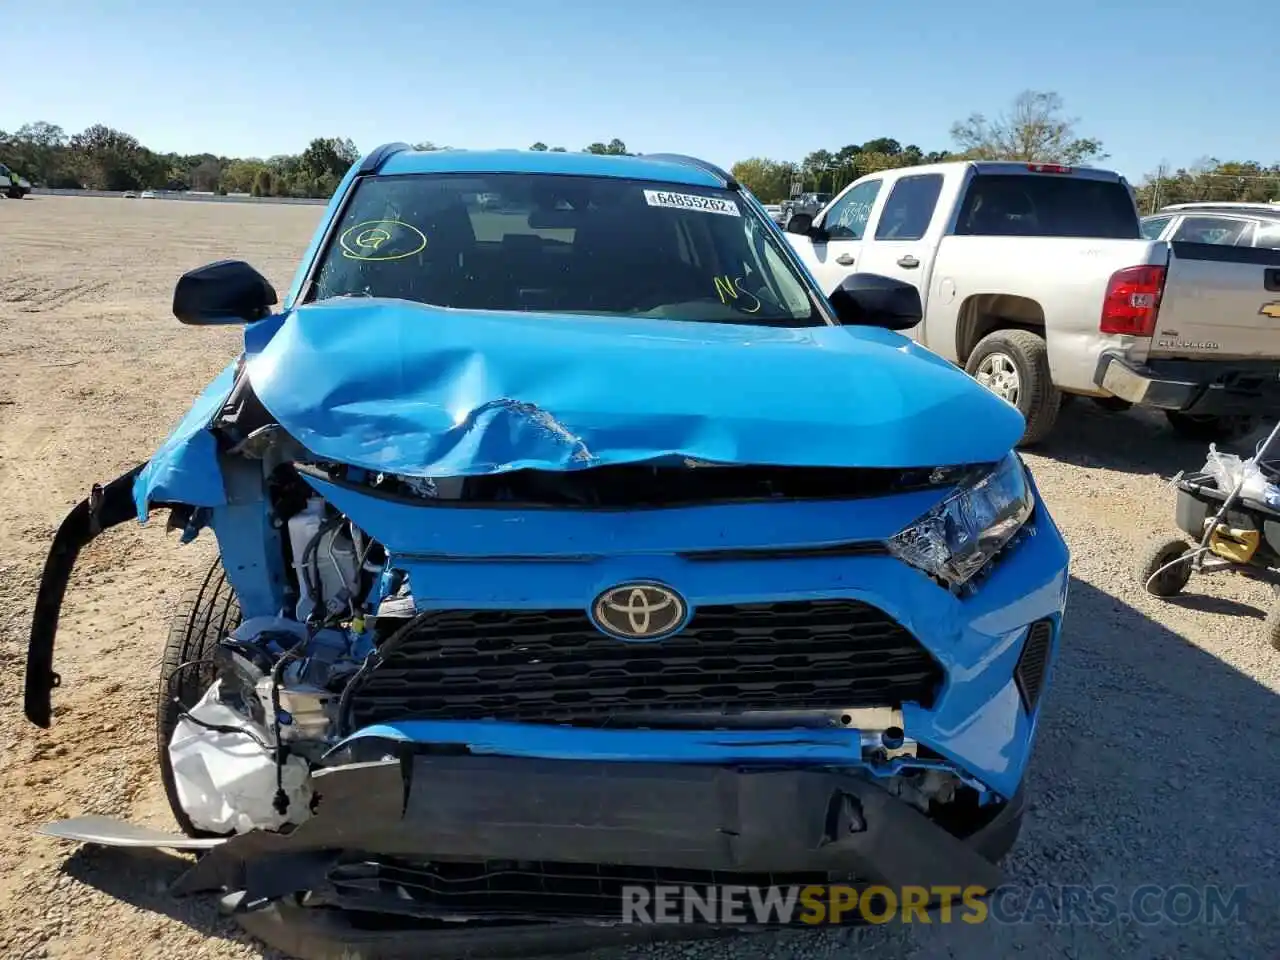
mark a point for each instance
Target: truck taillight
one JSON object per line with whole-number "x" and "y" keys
{"x": 1048, "y": 168}
{"x": 1132, "y": 301}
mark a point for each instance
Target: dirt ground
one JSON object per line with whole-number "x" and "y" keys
{"x": 1156, "y": 751}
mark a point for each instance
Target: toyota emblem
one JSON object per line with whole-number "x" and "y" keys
{"x": 639, "y": 612}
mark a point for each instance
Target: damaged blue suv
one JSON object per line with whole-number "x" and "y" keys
{"x": 570, "y": 538}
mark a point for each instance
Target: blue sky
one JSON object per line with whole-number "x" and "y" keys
{"x": 723, "y": 80}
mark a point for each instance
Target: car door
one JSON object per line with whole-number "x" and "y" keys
{"x": 901, "y": 245}
{"x": 833, "y": 255}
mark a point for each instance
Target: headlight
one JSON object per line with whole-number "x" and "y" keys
{"x": 955, "y": 539}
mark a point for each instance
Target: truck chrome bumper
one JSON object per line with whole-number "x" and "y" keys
{"x": 1202, "y": 388}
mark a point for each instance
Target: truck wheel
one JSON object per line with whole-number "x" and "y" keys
{"x": 202, "y": 617}
{"x": 1158, "y": 562}
{"x": 1208, "y": 429}
{"x": 1014, "y": 365}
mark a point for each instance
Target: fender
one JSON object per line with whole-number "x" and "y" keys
{"x": 185, "y": 467}
{"x": 183, "y": 473}
{"x": 105, "y": 507}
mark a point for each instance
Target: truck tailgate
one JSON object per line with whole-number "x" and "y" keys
{"x": 1219, "y": 303}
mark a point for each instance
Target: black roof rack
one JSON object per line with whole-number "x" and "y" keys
{"x": 702, "y": 165}
{"x": 374, "y": 161}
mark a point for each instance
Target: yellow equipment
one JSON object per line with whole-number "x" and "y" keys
{"x": 1233, "y": 544}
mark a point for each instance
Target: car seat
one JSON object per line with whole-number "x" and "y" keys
{"x": 626, "y": 257}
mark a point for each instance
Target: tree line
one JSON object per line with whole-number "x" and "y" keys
{"x": 102, "y": 158}
{"x": 1035, "y": 128}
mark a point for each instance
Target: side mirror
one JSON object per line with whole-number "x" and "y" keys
{"x": 872, "y": 300}
{"x": 228, "y": 291}
{"x": 800, "y": 223}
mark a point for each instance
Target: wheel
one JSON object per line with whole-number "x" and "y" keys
{"x": 1208, "y": 429}
{"x": 1014, "y": 365}
{"x": 1112, "y": 404}
{"x": 1272, "y": 626}
{"x": 203, "y": 616}
{"x": 1158, "y": 562}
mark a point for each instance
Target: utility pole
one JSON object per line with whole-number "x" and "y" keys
{"x": 1155, "y": 194}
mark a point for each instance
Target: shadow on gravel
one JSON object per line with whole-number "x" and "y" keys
{"x": 1136, "y": 441}
{"x": 142, "y": 879}
{"x": 1208, "y": 604}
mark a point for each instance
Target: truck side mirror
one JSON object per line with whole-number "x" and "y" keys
{"x": 800, "y": 223}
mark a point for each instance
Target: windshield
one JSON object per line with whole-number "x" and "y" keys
{"x": 563, "y": 244}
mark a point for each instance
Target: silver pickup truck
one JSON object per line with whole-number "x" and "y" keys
{"x": 1037, "y": 280}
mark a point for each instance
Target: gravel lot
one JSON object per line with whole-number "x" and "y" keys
{"x": 1154, "y": 752}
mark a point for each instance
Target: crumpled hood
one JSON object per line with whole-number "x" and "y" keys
{"x": 405, "y": 388}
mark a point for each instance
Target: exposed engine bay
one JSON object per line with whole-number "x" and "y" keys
{"x": 283, "y": 691}
{"x": 283, "y": 694}
{"x": 349, "y": 648}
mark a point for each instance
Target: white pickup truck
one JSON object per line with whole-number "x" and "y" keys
{"x": 1037, "y": 280}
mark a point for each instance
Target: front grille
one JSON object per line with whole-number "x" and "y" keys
{"x": 515, "y": 891}
{"x": 1033, "y": 662}
{"x": 555, "y": 666}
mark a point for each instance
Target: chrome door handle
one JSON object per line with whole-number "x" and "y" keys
{"x": 908, "y": 262}
{"x": 845, "y": 260}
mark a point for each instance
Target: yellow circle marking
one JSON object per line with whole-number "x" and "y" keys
{"x": 362, "y": 241}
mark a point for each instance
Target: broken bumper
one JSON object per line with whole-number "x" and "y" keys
{"x": 552, "y": 843}
{"x": 1194, "y": 387}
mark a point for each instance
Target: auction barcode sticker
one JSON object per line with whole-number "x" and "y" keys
{"x": 691, "y": 201}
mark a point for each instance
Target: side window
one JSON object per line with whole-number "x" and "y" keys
{"x": 847, "y": 217}
{"x": 910, "y": 207}
{"x": 1210, "y": 230}
{"x": 1152, "y": 227}
{"x": 1268, "y": 236}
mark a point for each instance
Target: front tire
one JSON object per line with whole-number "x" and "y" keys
{"x": 1014, "y": 365}
{"x": 203, "y": 616}
{"x": 1208, "y": 429}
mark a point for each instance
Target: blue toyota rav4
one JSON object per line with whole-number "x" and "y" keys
{"x": 570, "y": 537}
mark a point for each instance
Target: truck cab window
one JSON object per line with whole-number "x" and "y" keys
{"x": 1047, "y": 205}
{"x": 848, "y": 216}
{"x": 909, "y": 209}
